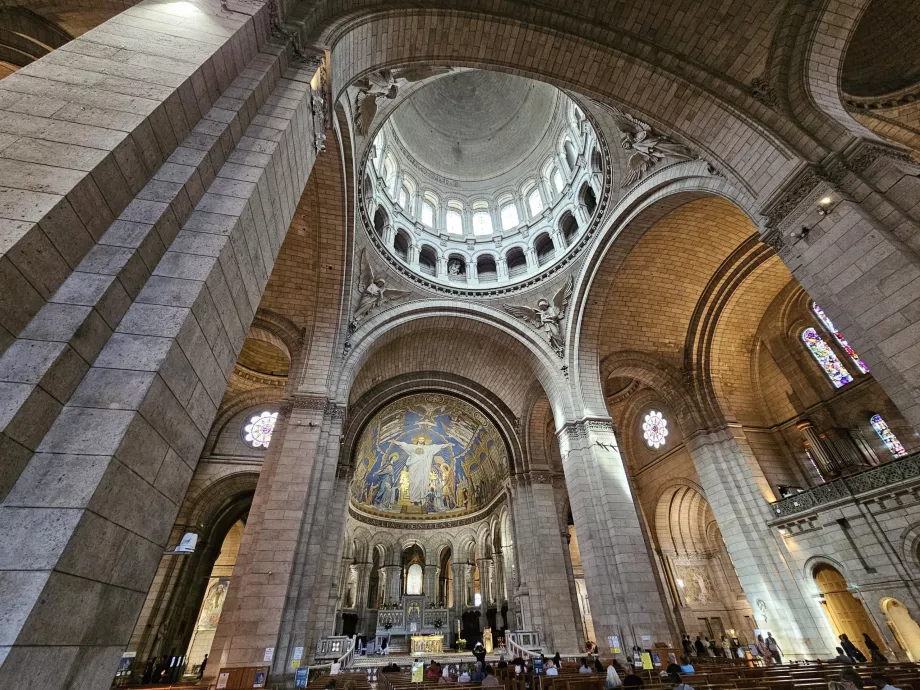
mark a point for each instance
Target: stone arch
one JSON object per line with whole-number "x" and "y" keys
{"x": 682, "y": 518}
{"x": 649, "y": 202}
{"x": 232, "y": 405}
{"x": 910, "y": 549}
{"x": 478, "y": 323}
{"x": 417, "y": 35}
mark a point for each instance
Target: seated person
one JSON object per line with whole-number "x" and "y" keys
{"x": 679, "y": 684}
{"x": 477, "y": 675}
{"x": 584, "y": 668}
{"x": 632, "y": 681}
{"x": 882, "y": 682}
{"x": 673, "y": 666}
{"x": 501, "y": 661}
{"x": 490, "y": 681}
{"x": 686, "y": 666}
{"x": 551, "y": 669}
{"x": 842, "y": 657}
{"x": 464, "y": 677}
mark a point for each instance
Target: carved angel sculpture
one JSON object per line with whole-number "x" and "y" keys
{"x": 648, "y": 148}
{"x": 385, "y": 84}
{"x": 547, "y": 317}
{"x": 374, "y": 292}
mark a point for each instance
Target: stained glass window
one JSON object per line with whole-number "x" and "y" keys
{"x": 887, "y": 436}
{"x": 258, "y": 431}
{"x": 825, "y": 356}
{"x": 655, "y": 429}
{"x": 829, "y": 325}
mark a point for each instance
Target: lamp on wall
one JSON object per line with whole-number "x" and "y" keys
{"x": 185, "y": 547}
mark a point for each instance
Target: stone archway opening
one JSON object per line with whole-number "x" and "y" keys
{"x": 903, "y": 626}
{"x": 848, "y": 615}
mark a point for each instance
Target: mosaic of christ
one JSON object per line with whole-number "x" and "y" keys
{"x": 428, "y": 454}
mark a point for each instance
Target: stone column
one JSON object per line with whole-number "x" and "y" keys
{"x": 394, "y": 584}
{"x": 364, "y": 574}
{"x": 822, "y": 458}
{"x": 136, "y": 344}
{"x": 737, "y": 492}
{"x": 850, "y": 235}
{"x": 469, "y": 585}
{"x": 543, "y": 575}
{"x": 457, "y": 573}
{"x": 625, "y": 594}
{"x": 485, "y": 590}
{"x": 430, "y": 586}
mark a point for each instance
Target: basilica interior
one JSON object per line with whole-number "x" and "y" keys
{"x": 331, "y": 329}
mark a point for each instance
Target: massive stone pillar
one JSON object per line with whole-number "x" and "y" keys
{"x": 543, "y": 594}
{"x": 625, "y": 594}
{"x": 364, "y": 574}
{"x": 193, "y": 140}
{"x": 485, "y": 590}
{"x": 850, "y": 234}
{"x": 394, "y": 584}
{"x": 737, "y": 492}
{"x": 430, "y": 586}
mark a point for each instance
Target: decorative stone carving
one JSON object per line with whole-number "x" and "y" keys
{"x": 868, "y": 153}
{"x": 319, "y": 120}
{"x": 805, "y": 185}
{"x": 385, "y": 84}
{"x": 763, "y": 92}
{"x": 548, "y": 317}
{"x": 454, "y": 267}
{"x": 648, "y": 147}
{"x": 374, "y": 292}
{"x": 774, "y": 238}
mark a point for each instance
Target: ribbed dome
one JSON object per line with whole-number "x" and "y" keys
{"x": 475, "y": 125}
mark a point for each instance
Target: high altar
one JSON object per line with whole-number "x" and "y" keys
{"x": 416, "y": 619}
{"x": 427, "y": 644}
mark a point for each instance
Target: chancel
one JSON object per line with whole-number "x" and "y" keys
{"x": 341, "y": 335}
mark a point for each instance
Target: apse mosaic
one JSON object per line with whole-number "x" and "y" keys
{"x": 428, "y": 454}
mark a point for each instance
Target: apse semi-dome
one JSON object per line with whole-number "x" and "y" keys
{"x": 481, "y": 180}
{"x": 428, "y": 456}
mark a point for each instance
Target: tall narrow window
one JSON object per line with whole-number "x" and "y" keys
{"x": 829, "y": 325}
{"x": 454, "y": 221}
{"x": 403, "y": 199}
{"x": 482, "y": 223}
{"x": 509, "y": 216}
{"x": 558, "y": 182}
{"x": 535, "y": 202}
{"x": 428, "y": 214}
{"x": 887, "y": 435}
{"x": 819, "y": 349}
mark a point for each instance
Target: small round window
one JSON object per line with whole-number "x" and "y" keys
{"x": 655, "y": 429}
{"x": 257, "y": 432}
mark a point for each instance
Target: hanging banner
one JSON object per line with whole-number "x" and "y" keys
{"x": 301, "y": 676}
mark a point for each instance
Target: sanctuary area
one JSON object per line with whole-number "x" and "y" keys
{"x": 331, "y": 330}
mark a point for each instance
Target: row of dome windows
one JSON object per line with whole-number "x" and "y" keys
{"x": 544, "y": 248}
{"x": 535, "y": 196}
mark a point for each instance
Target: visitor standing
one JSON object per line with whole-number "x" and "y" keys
{"x": 851, "y": 649}
{"x": 773, "y": 647}
{"x": 204, "y": 664}
{"x": 699, "y": 647}
{"x": 875, "y": 654}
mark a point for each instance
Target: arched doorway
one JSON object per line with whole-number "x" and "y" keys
{"x": 847, "y": 614}
{"x": 905, "y": 628}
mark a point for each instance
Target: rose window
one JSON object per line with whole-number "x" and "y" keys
{"x": 655, "y": 429}
{"x": 258, "y": 431}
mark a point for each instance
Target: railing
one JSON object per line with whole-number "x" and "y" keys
{"x": 846, "y": 487}
{"x": 515, "y": 642}
{"x": 344, "y": 661}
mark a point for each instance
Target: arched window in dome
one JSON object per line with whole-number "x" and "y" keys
{"x": 379, "y": 144}
{"x": 380, "y": 220}
{"x": 887, "y": 435}
{"x": 825, "y": 356}
{"x": 482, "y": 219}
{"x": 428, "y": 260}
{"x": 546, "y": 250}
{"x": 571, "y": 155}
{"x": 569, "y": 226}
{"x": 575, "y": 116}
{"x": 486, "y": 270}
{"x": 588, "y": 199}
{"x": 401, "y": 245}
{"x": 403, "y": 198}
{"x": 534, "y": 201}
{"x": 558, "y": 182}
{"x": 508, "y": 212}
{"x": 454, "y": 218}
{"x": 427, "y": 214}
{"x": 389, "y": 173}
{"x": 517, "y": 262}
{"x": 838, "y": 336}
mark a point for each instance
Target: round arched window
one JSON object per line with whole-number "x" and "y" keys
{"x": 257, "y": 432}
{"x": 655, "y": 429}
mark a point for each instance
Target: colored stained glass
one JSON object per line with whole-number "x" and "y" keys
{"x": 832, "y": 366}
{"x": 887, "y": 436}
{"x": 258, "y": 431}
{"x": 655, "y": 429}
{"x": 829, "y": 325}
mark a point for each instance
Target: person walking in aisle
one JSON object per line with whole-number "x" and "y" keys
{"x": 774, "y": 649}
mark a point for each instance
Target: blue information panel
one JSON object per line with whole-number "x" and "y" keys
{"x": 300, "y": 677}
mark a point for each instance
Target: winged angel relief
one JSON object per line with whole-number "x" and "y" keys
{"x": 385, "y": 84}
{"x": 648, "y": 148}
{"x": 374, "y": 292}
{"x": 547, "y": 317}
